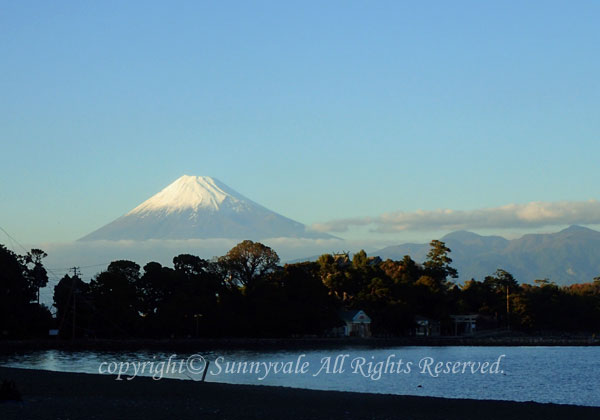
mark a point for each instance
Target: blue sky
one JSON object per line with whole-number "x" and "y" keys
{"x": 343, "y": 110}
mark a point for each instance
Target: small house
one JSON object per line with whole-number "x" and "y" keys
{"x": 356, "y": 324}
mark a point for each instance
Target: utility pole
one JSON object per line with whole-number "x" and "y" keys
{"x": 74, "y": 293}
{"x": 507, "y": 308}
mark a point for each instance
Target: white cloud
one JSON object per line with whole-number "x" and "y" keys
{"x": 530, "y": 215}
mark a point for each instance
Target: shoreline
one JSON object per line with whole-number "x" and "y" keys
{"x": 193, "y": 344}
{"x": 53, "y": 395}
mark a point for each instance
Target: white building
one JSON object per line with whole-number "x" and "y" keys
{"x": 357, "y": 324}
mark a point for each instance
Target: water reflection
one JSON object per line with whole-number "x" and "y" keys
{"x": 545, "y": 374}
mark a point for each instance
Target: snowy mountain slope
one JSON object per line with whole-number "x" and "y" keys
{"x": 201, "y": 207}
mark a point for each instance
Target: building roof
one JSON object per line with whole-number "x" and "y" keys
{"x": 356, "y": 315}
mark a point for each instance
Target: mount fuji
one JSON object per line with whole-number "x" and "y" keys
{"x": 198, "y": 207}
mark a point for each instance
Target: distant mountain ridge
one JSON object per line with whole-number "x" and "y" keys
{"x": 199, "y": 207}
{"x": 566, "y": 257}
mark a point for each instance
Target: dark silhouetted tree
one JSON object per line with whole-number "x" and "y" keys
{"x": 437, "y": 265}
{"x": 115, "y": 299}
{"x": 247, "y": 262}
{"x": 73, "y": 307}
{"x": 20, "y": 314}
{"x": 38, "y": 274}
{"x": 306, "y": 302}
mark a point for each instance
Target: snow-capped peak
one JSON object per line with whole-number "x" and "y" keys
{"x": 199, "y": 207}
{"x": 189, "y": 192}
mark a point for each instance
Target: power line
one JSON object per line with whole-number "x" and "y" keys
{"x": 67, "y": 269}
{"x": 13, "y": 239}
{"x": 50, "y": 270}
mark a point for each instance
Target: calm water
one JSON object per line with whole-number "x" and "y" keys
{"x": 566, "y": 375}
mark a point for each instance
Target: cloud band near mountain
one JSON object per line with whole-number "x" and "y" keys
{"x": 534, "y": 214}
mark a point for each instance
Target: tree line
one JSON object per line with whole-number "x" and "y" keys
{"x": 248, "y": 293}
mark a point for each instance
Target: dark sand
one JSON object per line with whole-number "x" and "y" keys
{"x": 70, "y": 396}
